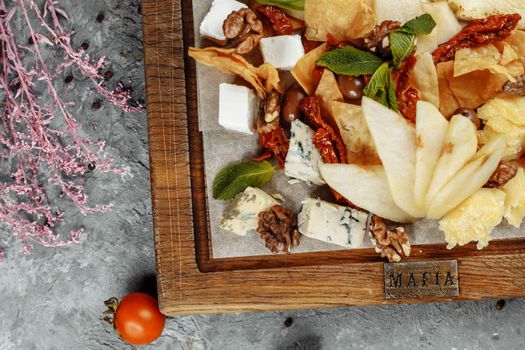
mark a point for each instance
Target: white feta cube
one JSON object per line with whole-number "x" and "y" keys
{"x": 238, "y": 106}
{"x": 283, "y": 52}
{"x": 242, "y": 216}
{"x": 211, "y": 26}
{"x": 303, "y": 158}
{"x": 332, "y": 223}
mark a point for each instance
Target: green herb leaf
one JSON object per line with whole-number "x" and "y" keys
{"x": 381, "y": 87}
{"x": 421, "y": 25}
{"x": 403, "y": 40}
{"x": 402, "y": 45}
{"x": 350, "y": 61}
{"x": 297, "y": 5}
{"x": 234, "y": 179}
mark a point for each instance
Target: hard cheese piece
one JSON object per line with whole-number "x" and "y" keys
{"x": 211, "y": 26}
{"x": 283, "y": 52}
{"x": 242, "y": 215}
{"x": 303, "y": 158}
{"x": 237, "y": 108}
{"x": 332, "y": 223}
{"x": 474, "y": 219}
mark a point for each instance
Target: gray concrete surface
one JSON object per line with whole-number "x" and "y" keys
{"x": 53, "y": 298}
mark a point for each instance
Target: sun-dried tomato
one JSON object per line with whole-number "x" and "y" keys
{"x": 324, "y": 143}
{"x": 309, "y": 45}
{"x": 407, "y": 96}
{"x": 326, "y": 139}
{"x": 277, "y": 142}
{"x": 266, "y": 155}
{"x": 477, "y": 33}
{"x": 317, "y": 74}
{"x": 281, "y": 23}
{"x": 333, "y": 43}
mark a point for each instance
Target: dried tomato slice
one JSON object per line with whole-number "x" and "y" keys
{"x": 324, "y": 143}
{"x": 333, "y": 151}
{"x": 407, "y": 96}
{"x": 477, "y": 33}
{"x": 277, "y": 142}
{"x": 281, "y": 23}
{"x": 309, "y": 45}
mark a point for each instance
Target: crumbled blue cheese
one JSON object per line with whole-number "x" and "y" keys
{"x": 332, "y": 223}
{"x": 302, "y": 160}
{"x": 242, "y": 215}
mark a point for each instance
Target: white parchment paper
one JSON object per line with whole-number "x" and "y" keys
{"x": 222, "y": 147}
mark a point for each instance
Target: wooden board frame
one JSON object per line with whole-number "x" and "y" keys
{"x": 190, "y": 281}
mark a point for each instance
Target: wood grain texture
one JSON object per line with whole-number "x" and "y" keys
{"x": 190, "y": 281}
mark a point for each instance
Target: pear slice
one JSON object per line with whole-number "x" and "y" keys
{"x": 469, "y": 179}
{"x": 365, "y": 186}
{"x": 459, "y": 148}
{"x": 395, "y": 140}
{"x": 431, "y": 129}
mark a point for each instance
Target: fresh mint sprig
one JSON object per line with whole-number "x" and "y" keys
{"x": 381, "y": 87}
{"x": 403, "y": 40}
{"x": 234, "y": 179}
{"x": 350, "y": 61}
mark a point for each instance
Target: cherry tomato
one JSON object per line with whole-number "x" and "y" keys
{"x": 138, "y": 319}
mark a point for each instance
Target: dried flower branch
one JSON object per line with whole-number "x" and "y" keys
{"x": 41, "y": 144}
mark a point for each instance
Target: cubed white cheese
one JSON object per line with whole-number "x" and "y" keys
{"x": 211, "y": 26}
{"x": 242, "y": 216}
{"x": 238, "y": 107}
{"x": 332, "y": 223}
{"x": 283, "y": 52}
{"x": 302, "y": 160}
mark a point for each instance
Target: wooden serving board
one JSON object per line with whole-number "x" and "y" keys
{"x": 190, "y": 281}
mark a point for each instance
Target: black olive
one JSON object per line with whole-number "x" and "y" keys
{"x": 351, "y": 87}
{"x": 290, "y": 104}
{"x": 471, "y": 115}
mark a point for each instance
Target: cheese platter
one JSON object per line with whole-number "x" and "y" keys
{"x": 317, "y": 226}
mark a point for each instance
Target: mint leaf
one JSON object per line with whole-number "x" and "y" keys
{"x": 402, "y": 41}
{"x": 297, "y": 5}
{"x": 234, "y": 179}
{"x": 421, "y": 25}
{"x": 381, "y": 87}
{"x": 350, "y": 61}
{"x": 402, "y": 46}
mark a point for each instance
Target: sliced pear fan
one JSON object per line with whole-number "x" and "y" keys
{"x": 395, "y": 140}
{"x": 469, "y": 179}
{"x": 431, "y": 129}
{"x": 458, "y": 149}
{"x": 365, "y": 186}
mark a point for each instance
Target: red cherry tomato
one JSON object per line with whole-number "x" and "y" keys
{"x": 138, "y": 319}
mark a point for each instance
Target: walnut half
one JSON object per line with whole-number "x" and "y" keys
{"x": 243, "y": 30}
{"x": 505, "y": 172}
{"x": 278, "y": 227}
{"x": 392, "y": 244}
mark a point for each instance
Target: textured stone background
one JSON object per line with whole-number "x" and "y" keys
{"x": 52, "y": 299}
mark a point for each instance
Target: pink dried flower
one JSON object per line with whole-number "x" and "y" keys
{"x": 42, "y": 139}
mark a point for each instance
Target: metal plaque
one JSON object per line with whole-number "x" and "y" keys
{"x": 423, "y": 279}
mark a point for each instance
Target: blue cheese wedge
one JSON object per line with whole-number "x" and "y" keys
{"x": 302, "y": 160}
{"x": 242, "y": 216}
{"x": 331, "y": 223}
{"x": 211, "y": 26}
